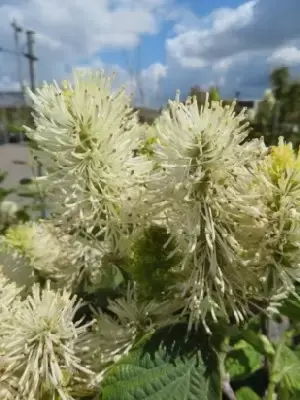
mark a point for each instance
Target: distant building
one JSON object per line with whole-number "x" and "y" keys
{"x": 12, "y": 100}
{"x": 14, "y": 112}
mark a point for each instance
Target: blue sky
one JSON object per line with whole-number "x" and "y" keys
{"x": 158, "y": 46}
{"x": 152, "y": 47}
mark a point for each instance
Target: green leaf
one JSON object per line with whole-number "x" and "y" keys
{"x": 150, "y": 265}
{"x": 291, "y": 308}
{"x": 246, "y": 393}
{"x": 242, "y": 361}
{"x": 22, "y": 215}
{"x": 286, "y": 368}
{"x": 163, "y": 366}
{"x": 259, "y": 341}
{"x": 295, "y": 396}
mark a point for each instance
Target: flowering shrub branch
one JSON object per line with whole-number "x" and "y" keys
{"x": 165, "y": 248}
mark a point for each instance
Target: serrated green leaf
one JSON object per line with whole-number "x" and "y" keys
{"x": 163, "y": 366}
{"x": 286, "y": 368}
{"x": 242, "y": 361}
{"x": 246, "y": 393}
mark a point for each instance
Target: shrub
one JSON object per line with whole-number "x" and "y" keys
{"x": 162, "y": 272}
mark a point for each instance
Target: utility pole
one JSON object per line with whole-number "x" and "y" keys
{"x": 31, "y": 60}
{"x": 17, "y": 30}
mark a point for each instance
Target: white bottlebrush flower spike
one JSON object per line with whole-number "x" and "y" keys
{"x": 86, "y": 137}
{"x": 229, "y": 207}
{"x": 9, "y": 387}
{"x": 279, "y": 249}
{"x": 9, "y": 303}
{"x": 43, "y": 248}
{"x": 44, "y": 342}
{"x": 205, "y": 184}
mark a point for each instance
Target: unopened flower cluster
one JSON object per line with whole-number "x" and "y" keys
{"x": 204, "y": 223}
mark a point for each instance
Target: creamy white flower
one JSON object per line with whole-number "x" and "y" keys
{"x": 8, "y": 207}
{"x": 9, "y": 388}
{"x": 9, "y": 291}
{"x": 8, "y": 210}
{"x": 9, "y": 303}
{"x": 269, "y": 96}
{"x": 17, "y": 270}
{"x": 87, "y": 136}
{"x": 251, "y": 114}
{"x": 42, "y": 248}
{"x": 41, "y": 335}
{"x": 205, "y": 185}
{"x": 279, "y": 248}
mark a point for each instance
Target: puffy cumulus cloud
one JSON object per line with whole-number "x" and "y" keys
{"x": 286, "y": 55}
{"x": 233, "y": 48}
{"x": 236, "y": 48}
{"x": 71, "y": 30}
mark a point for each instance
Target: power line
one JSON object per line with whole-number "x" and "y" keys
{"x": 29, "y": 54}
{"x": 4, "y": 50}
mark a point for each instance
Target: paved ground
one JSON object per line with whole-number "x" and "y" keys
{"x": 14, "y": 159}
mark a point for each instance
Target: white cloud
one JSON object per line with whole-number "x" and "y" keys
{"x": 236, "y": 47}
{"x": 286, "y": 55}
{"x": 73, "y": 30}
{"x": 233, "y": 48}
{"x": 194, "y": 47}
{"x": 254, "y": 26}
{"x": 224, "y": 19}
